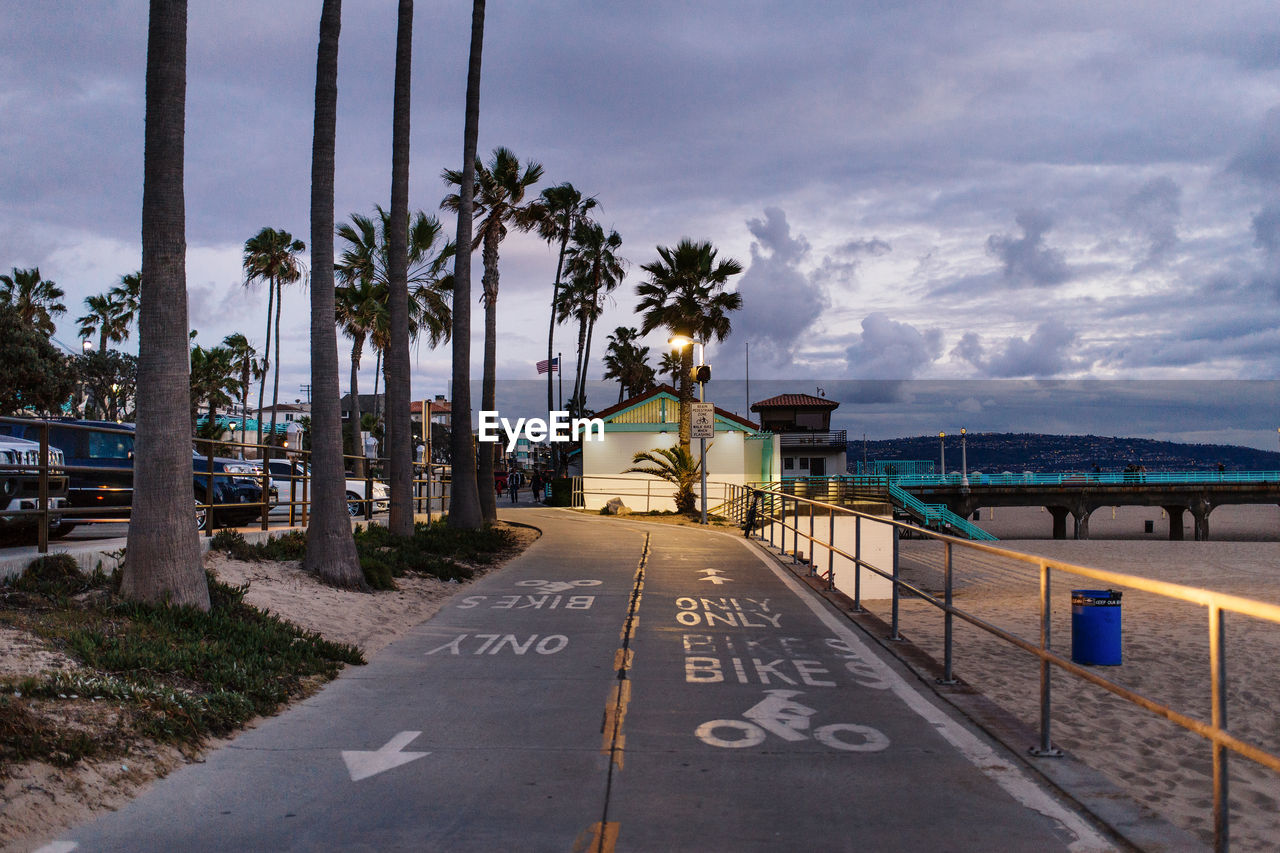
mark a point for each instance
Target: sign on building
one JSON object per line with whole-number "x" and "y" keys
{"x": 703, "y": 418}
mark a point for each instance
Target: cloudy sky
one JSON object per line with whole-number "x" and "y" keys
{"x": 925, "y": 190}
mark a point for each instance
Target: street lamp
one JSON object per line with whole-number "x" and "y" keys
{"x": 964, "y": 462}
{"x": 87, "y": 346}
{"x": 942, "y": 452}
{"x": 702, "y": 373}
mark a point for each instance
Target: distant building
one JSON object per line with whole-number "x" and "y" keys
{"x": 808, "y": 445}
{"x": 740, "y": 453}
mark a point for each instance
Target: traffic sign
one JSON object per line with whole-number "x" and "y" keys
{"x": 703, "y": 420}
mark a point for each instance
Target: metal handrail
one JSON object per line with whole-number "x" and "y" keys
{"x": 1217, "y": 603}
{"x": 1116, "y": 478}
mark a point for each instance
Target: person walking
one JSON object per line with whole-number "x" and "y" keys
{"x": 513, "y": 485}
{"x": 537, "y": 484}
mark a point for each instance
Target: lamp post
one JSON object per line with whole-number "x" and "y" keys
{"x": 942, "y": 452}
{"x": 679, "y": 342}
{"x": 964, "y": 462}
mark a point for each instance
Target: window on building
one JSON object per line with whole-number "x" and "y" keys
{"x": 788, "y": 462}
{"x": 804, "y": 463}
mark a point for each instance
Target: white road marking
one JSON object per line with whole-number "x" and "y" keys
{"x": 362, "y": 764}
{"x": 713, "y": 575}
{"x": 58, "y": 847}
{"x": 1000, "y": 770}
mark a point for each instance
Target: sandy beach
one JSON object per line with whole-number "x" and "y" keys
{"x": 1165, "y": 654}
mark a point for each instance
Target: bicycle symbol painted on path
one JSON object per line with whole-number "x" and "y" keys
{"x": 557, "y": 586}
{"x": 779, "y": 714}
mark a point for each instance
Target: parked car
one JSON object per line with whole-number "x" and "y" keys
{"x": 99, "y": 459}
{"x": 20, "y": 487}
{"x": 284, "y": 469}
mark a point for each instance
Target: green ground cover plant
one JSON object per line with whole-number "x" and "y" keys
{"x": 176, "y": 675}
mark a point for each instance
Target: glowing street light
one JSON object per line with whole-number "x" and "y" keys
{"x": 964, "y": 461}
{"x": 942, "y": 452}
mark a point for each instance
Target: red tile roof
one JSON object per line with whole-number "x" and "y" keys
{"x": 415, "y": 408}
{"x": 793, "y": 401}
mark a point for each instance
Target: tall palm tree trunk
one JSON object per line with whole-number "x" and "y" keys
{"x": 488, "y": 391}
{"x": 586, "y": 358}
{"x": 578, "y": 365}
{"x": 164, "y": 552}
{"x": 275, "y": 390}
{"x": 266, "y": 359}
{"x": 686, "y": 396}
{"x": 464, "y": 507}
{"x": 357, "y": 447}
{"x": 398, "y": 429}
{"x": 551, "y": 334}
{"x": 331, "y": 551}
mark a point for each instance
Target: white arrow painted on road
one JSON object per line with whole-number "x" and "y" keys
{"x": 363, "y": 764}
{"x": 713, "y": 575}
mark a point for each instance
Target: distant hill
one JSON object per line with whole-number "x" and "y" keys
{"x": 992, "y": 453}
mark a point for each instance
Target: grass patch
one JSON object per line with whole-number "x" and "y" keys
{"x": 434, "y": 549}
{"x": 175, "y": 674}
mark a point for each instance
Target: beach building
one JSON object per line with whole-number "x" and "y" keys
{"x": 802, "y": 423}
{"x": 740, "y": 453}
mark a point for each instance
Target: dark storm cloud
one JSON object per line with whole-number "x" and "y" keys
{"x": 1026, "y": 259}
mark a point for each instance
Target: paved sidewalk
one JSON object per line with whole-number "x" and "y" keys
{"x": 620, "y": 686}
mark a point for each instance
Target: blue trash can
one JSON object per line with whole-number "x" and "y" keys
{"x": 1095, "y": 627}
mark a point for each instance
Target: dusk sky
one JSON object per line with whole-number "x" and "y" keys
{"x": 916, "y": 190}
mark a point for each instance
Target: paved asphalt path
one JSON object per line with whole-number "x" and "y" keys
{"x": 620, "y": 686}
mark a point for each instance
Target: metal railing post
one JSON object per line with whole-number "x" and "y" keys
{"x": 306, "y": 503}
{"x": 209, "y": 489}
{"x": 42, "y": 538}
{"x": 813, "y": 570}
{"x": 948, "y": 676}
{"x": 771, "y": 517}
{"x": 1045, "y": 749}
{"x": 265, "y": 450}
{"x": 831, "y": 551}
{"x": 897, "y": 595}
{"x": 1218, "y": 692}
{"x": 293, "y": 495}
{"x": 857, "y": 564}
{"x": 368, "y": 493}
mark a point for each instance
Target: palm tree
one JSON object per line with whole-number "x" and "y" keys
{"x": 464, "y": 504}
{"x": 35, "y": 299}
{"x": 247, "y": 365}
{"x": 164, "y": 553}
{"x": 272, "y": 256}
{"x": 127, "y": 294}
{"x": 501, "y": 190}
{"x": 628, "y": 362}
{"x": 593, "y": 260}
{"x": 214, "y": 383}
{"x": 558, "y": 211}
{"x": 331, "y": 550}
{"x": 676, "y": 465}
{"x": 362, "y": 310}
{"x": 685, "y": 294}
{"x": 671, "y": 363}
{"x": 106, "y": 319}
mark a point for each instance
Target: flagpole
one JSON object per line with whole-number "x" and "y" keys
{"x": 559, "y": 365}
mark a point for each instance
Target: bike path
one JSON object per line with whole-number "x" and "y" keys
{"x": 759, "y": 720}
{"x": 503, "y": 724}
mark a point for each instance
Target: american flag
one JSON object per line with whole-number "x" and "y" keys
{"x": 552, "y": 365}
